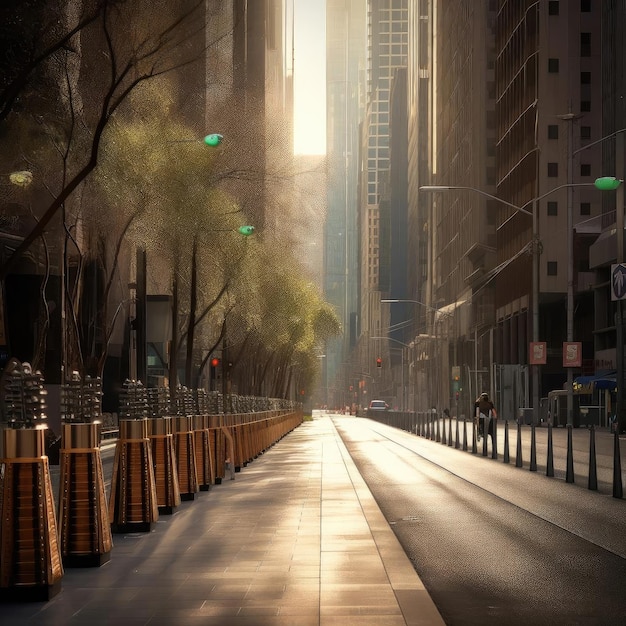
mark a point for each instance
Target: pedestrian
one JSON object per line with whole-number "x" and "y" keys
{"x": 484, "y": 409}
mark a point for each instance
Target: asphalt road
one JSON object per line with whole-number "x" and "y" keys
{"x": 494, "y": 543}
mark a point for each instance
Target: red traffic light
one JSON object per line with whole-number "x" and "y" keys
{"x": 379, "y": 362}
{"x": 215, "y": 362}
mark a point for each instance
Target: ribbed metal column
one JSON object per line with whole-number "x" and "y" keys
{"x": 30, "y": 558}
{"x": 84, "y": 529}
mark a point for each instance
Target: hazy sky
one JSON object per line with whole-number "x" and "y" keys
{"x": 310, "y": 77}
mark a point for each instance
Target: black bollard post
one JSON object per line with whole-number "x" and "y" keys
{"x": 617, "y": 468}
{"x": 444, "y": 439}
{"x": 485, "y": 436}
{"x": 494, "y": 438}
{"x": 474, "y": 438}
{"x": 592, "y": 482}
{"x": 507, "y": 458}
{"x": 464, "y": 435}
{"x": 518, "y": 453}
{"x": 438, "y": 434}
{"x": 457, "y": 442}
{"x": 550, "y": 460}
{"x": 450, "y": 442}
{"x": 533, "y": 449}
{"x": 569, "y": 472}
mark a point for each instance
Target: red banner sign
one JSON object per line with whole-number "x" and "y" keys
{"x": 572, "y": 354}
{"x": 538, "y": 353}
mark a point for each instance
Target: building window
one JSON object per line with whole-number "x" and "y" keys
{"x": 585, "y": 44}
{"x": 553, "y": 207}
{"x": 585, "y": 6}
{"x": 553, "y": 66}
{"x": 585, "y": 208}
{"x": 553, "y": 7}
{"x": 553, "y": 131}
{"x": 585, "y": 132}
{"x": 552, "y": 268}
{"x": 553, "y": 170}
{"x": 585, "y": 106}
{"x": 585, "y": 169}
{"x": 585, "y": 78}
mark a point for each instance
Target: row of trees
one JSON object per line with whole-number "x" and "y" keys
{"x": 104, "y": 103}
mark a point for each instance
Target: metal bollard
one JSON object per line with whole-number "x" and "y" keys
{"x": 518, "y": 453}
{"x": 550, "y": 460}
{"x": 592, "y": 482}
{"x": 474, "y": 438}
{"x": 494, "y": 438}
{"x": 569, "y": 472}
{"x": 507, "y": 458}
{"x": 464, "y": 435}
{"x": 485, "y": 436}
{"x": 617, "y": 468}
{"x": 533, "y": 449}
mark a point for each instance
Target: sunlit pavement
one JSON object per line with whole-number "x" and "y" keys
{"x": 296, "y": 539}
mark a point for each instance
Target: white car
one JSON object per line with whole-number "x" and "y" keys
{"x": 378, "y": 405}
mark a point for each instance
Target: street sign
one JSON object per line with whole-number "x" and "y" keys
{"x": 538, "y": 353}
{"x": 572, "y": 354}
{"x": 618, "y": 281}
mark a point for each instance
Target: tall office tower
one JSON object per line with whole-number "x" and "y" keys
{"x": 604, "y": 254}
{"x": 345, "y": 66}
{"x": 250, "y": 75}
{"x": 452, "y": 143}
{"x": 548, "y": 109}
{"x": 387, "y": 51}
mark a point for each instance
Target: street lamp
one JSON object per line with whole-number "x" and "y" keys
{"x": 535, "y": 260}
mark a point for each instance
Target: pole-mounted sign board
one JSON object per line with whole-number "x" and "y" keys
{"x": 618, "y": 281}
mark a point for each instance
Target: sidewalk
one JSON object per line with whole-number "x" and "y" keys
{"x": 295, "y": 540}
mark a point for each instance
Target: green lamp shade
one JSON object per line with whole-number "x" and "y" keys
{"x": 607, "y": 183}
{"x": 213, "y": 140}
{"x": 245, "y": 230}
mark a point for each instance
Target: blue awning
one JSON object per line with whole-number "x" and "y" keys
{"x": 598, "y": 381}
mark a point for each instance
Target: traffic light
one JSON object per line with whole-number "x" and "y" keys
{"x": 215, "y": 363}
{"x": 379, "y": 362}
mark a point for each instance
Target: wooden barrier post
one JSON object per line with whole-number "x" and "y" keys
{"x": 164, "y": 464}
{"x": 133, "y": 500}
{"x": 30, "y": 558}
{"x": 84, "y": 529}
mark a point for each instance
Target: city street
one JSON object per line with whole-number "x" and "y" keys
{"x": 494, "y": 543}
